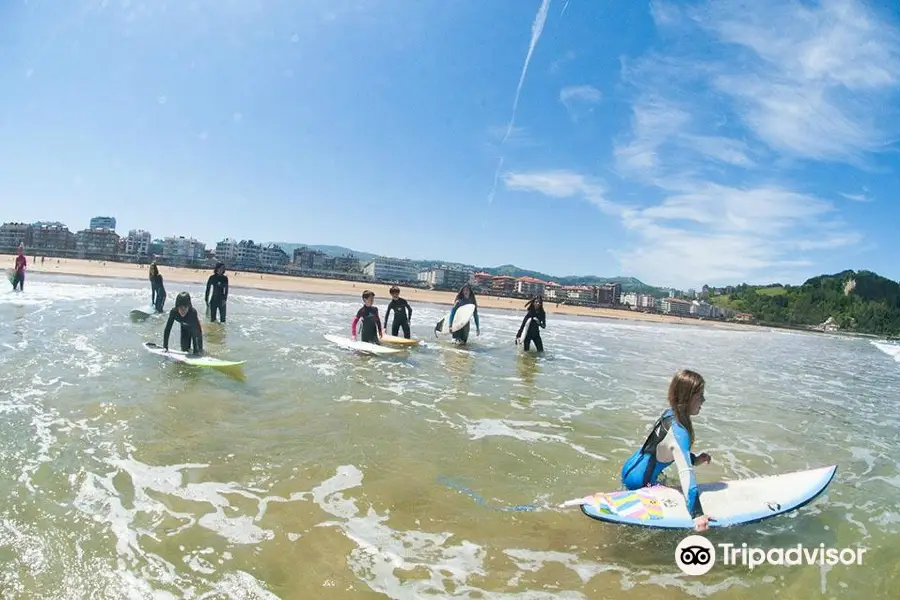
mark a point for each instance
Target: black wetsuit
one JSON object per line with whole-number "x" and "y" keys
{"x": 462, "y": 335}
{"x": 402, "y": 316}
{"x": 157, "y": 292}
{"x": 538, "y": 319}
{"x": 191, "y": 332}
{"x": 219, "y": 285}
{"x": 371, "y": 324}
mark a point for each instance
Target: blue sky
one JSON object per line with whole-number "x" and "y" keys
{"x": 679, "y": 142}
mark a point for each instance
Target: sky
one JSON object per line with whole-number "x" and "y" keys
{"x": 680, "y": 142}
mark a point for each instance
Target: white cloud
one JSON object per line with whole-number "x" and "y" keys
{"x": 717, "y": 126}
{"x": 563, "y": 184}
{"x": 579, "y": 100}
{"x": 857, "y": 197}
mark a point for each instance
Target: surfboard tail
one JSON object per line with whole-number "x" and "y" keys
{"x": 439, "y": 326}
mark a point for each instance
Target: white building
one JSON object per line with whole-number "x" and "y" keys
{"x": 391, "y": 269}
{"x": 180, "y": 247}
{"x": 638, "y": 301}
{"x": 137, "y": 242}
{"x": 448, "y": 278}
{"x": 226, "y": 250}
{"x": 676, "y": 306}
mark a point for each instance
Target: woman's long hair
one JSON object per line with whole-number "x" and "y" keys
{"x": 531, "y": 305}
{"x": 684, "y": 387}
{"x": 459, "y": 294}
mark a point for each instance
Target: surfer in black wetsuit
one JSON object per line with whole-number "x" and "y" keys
{"x": 157, "y": 290}
{"x": 370, "y": 331}
{"x": 402, "y": 313}
{"x": 218, "y": 281}
{"x": 191, "y": 332}
{"x": 463, "y": 297}
{"x": 536, "y": 319}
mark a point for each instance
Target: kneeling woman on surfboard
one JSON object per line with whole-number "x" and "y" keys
{"x": 371, "y": 325}
{"x": 538, "y": 319}
{"x": 670, "y": 441}
{"x": 464, "y": 296}
{"x": 191, "y": 332}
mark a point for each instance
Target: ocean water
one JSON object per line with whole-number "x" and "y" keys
{"x": 325, "y": 474}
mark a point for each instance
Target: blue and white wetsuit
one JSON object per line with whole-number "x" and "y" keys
{"x": 668, "y": 442}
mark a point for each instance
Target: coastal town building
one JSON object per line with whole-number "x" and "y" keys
{"x": 529, "y": 286}
{"x": 347, "y": 264}
{"x": 676, "y": 306}
{"x": 182, "y": 248}
{"x": 53, "y": 237}
{"x": 446, "y": 277}
{"x": 705, "y": 310}
{"x": 307, "y": 259}
{"x": 273, "y": 256}
{"x": 137, "y": 243}
{"x": 13, "y": 234}
{"x": 97, "y": 244}
{"x": 102, "y": 223}
{"x": 391, "y": 269}
{"x": 502, "y": 285}
{"x": 609, "y": 294}
{"x": 638, "y": 301}
{"x": 482, "y": 280}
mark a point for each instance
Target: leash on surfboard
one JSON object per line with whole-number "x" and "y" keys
{"x": 477, "y": 498}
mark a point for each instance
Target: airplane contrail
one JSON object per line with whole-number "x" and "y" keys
{"x": 536, "y": 29}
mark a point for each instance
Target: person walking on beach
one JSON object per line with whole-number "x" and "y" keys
{"x": 157, "y": 289}
{"x": 367, "y": 316}
{"x": 402, "y": 313}
{"x": 191, "y": 332}
{"x": 18, "y": 278}
{"x": 464, "y": 296}
{"x": 670, "y": 441}
{"x": 218, "y": 282}
{"x": 536, "y": 319}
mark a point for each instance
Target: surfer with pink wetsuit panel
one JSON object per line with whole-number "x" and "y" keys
{"x": 367, "y": 318}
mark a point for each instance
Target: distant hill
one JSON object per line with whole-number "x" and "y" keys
{"x": 858, "y": 301}
{"x": 629, "y": 284}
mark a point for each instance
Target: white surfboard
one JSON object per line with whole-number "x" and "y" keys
{"x": 10, "y": 274}
{"x": 462, "y": 318}
{"x": 727, "y": 502}
{"x": 189, "y": 359}
{"x": 364, "y": 347}
{"x": 144, "y": 312}
{"x": 399, "y": 341}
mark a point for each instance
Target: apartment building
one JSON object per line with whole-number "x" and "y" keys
{"x": 97, "y": 243}
{"x": 182, "y": 248}
{"x": 313, "y": 260}
{"x": 638, "y": 301}
{"x": 503, "y": 285}
{"x": 529, "y": 286}
{"x": 226, "y": 251}
{"x": 273, "y": 256}
{"x": 103, "y": 223}
{"x": 445, "y": 277}
{"x": 347, "y": 264}
{"x": 609, "y": 294}
{"x": 13, "y": 234}
{"x": 137, "y": 243}
{"x": 676, "y": 306}
{"x": 390, "y": 269}
{"x": 482, "y": 280}
{"x": 53, "y": 238}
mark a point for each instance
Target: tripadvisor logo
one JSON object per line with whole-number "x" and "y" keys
{"x": 696, "y": 555}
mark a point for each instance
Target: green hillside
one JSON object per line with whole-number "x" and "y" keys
{"x": 858, "y": 301}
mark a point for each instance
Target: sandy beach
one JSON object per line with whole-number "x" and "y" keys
{"x": 310, "y": 285}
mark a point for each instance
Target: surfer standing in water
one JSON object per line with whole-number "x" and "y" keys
{"x": 370, "y": 330}
{"x": 464, "y": 296}
{"x": 670, "y": 441}
{"x": 536, "y": 319}
{"x": 18, "y": 279}
{"x": 157, "y": 290}
{"x": 402, "y": 313}
{"x": 191, "y": 332}
{"x": 218, "y": 281}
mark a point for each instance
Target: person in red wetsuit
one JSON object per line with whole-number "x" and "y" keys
{"x": 370, "y": 331}
{"x": 18, "y": 280}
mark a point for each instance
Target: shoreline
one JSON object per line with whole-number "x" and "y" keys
{"x": 338, "y": 287}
